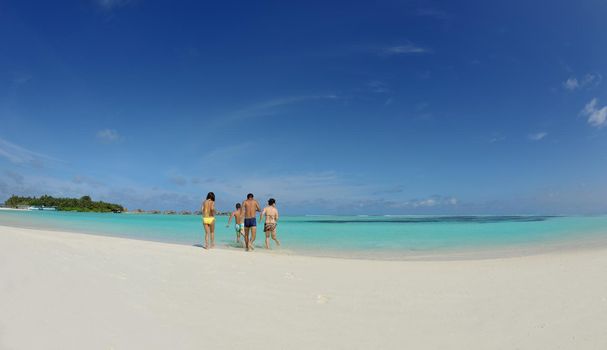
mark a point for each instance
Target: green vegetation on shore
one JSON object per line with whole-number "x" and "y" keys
{"x": 84, "y": 203}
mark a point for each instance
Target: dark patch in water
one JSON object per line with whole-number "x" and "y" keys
{"x": 433, "y": 219}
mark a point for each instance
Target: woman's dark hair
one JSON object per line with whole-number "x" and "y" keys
{"x": 211, "y": 196}
{"x": 250, "y": 195}
{"x": 271, "y": 201}
{"x": 237, "y": 205}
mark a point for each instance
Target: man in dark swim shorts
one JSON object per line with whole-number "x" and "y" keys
{"x": 251, "y": 207}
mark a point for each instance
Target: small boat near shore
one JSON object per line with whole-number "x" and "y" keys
{"x": 33, "y": 207}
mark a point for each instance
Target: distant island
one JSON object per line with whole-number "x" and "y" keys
{"x": 82, "y": 204}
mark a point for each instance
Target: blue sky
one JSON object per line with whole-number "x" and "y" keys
{"x": 396, "y": 107}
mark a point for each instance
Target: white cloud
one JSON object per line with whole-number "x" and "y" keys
{"x": 571, "y": 84}
{"x": 404, "y": 49}
{"x": 108, "y": 135}
{"x": 432, "y": 202}
{"x": 587, "y": 80}
{"x": 597, "y": 116}
{"x": 20, "y": 155}
{"x": 538, "y": 136}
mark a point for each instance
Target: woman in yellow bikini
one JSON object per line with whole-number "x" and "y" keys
{"x": 208, "y": 220}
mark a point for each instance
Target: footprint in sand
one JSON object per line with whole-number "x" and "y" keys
{"x": 322, "y": 299}
{"x": 289, "y": 276}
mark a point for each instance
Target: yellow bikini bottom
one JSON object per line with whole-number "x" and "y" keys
{"x": 208, "y": 220}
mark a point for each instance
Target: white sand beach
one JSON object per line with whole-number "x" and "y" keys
{"x": 63, "y": 290}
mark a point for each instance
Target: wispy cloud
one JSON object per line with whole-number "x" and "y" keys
{"x": 378, "y": 87}
{"x": 227, "y": 153}
{"x": 293, "y": 187}
{"x": 404, "y": 49}
{"x": 589, "y": 80}
{"x": 123, "y": 191}
{"x": 15, "y": 176}
{"x": 427, "y": 204}
{"x": 178, "y": 180}
{"x": 497, "y": 137}
{"x": 23, "y": 156}
{"x": 538, "y": 136}
{"x": 108, "y": 135}
{"x": 272, "y": 107}
{"x": 109, "y": 5}
{"x": 432, "y": 12}
{"x": 597, "y": 116}
{"x": 432, "y": 201}
{"x": 389, "y": 190}
{"x": 21, "y": 78}
{"x": 87, "y": 180}
{"x": 298, "y": 192}
{"x": 571, "y": 84}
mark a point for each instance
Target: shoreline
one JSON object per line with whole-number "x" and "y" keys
{"x": 97, "y": 292}
{"x": 594, "y": 241}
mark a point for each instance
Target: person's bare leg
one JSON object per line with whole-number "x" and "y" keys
{"x": 267, "y": 239}
{"x": 253, "y": 236}
{"x": 274, "y": 238}
{"x": 206, "y": 236}
{"x": 237, "y": 236}
{"x": 246, "y": 238}
{"x": 213, "y": 235}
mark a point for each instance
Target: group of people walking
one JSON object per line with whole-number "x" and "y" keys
{"x": 245, "y": 221}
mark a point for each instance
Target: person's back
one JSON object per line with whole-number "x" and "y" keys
{"x": 238, "y": 216}
{"x": 251, "y": 207}
{"x": 208, "y": 209}
{"x": 271, "y": 214}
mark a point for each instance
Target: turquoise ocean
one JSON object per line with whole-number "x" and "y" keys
{"x": 384, "y": 237}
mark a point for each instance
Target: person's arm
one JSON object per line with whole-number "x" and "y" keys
{"x": 212, "y": 208}
{"x": 258, "y": 207}
{"x": 276, "y": 215}
{"x": 230, "y": 219}
{"x": 261, "y": 216}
